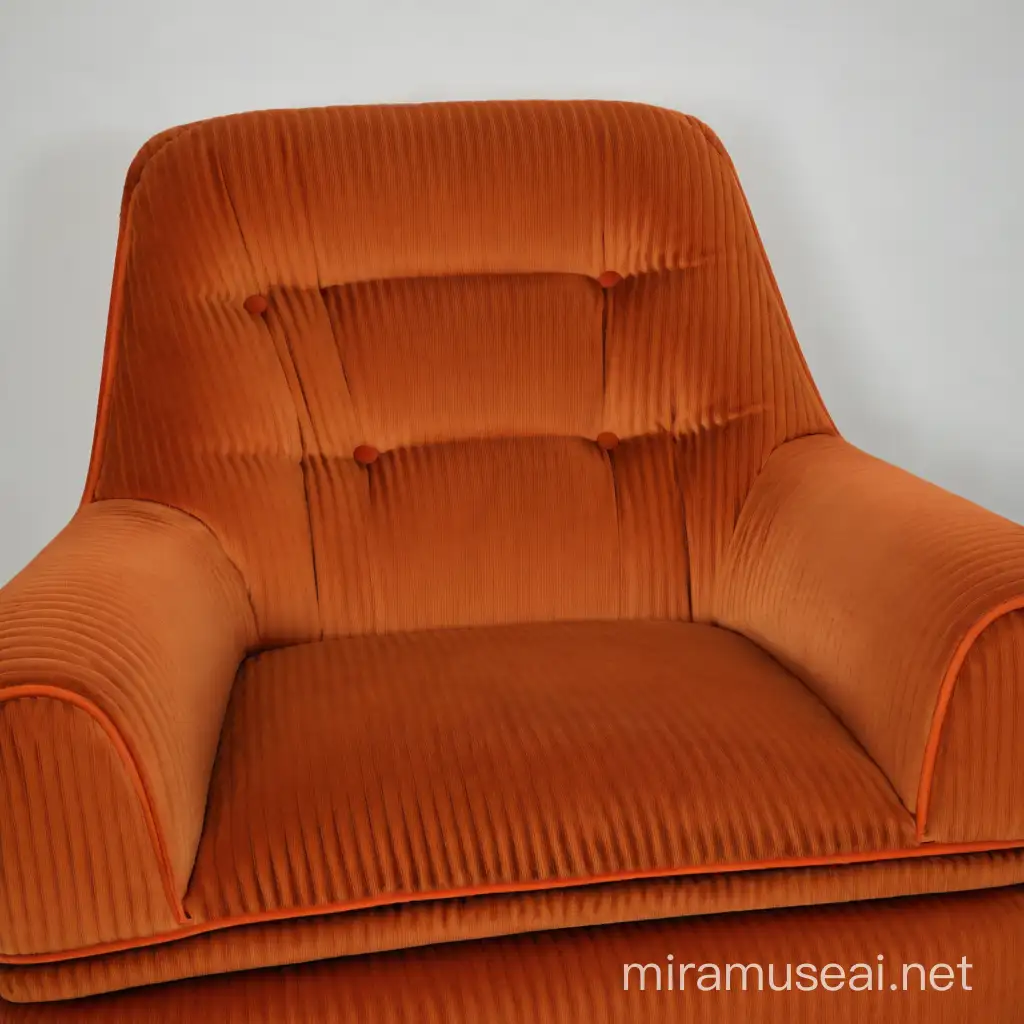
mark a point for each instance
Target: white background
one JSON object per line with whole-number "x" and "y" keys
{"x": 879, "y": 142}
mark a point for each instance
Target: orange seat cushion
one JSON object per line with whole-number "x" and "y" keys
{"x": 384, "y": 769}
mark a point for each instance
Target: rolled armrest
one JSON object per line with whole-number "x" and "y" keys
{"x": 899, "y": 604}
{"x": 118, "y": 647}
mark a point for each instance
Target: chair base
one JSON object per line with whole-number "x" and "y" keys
{"x": 578, "y": 974}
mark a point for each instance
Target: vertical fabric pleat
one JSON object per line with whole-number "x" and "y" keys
{"x": 493, "y": 531}
{"x": 705, "y": 354}
{"x": 716, "y": 470}
{"x": 654, "y": 573}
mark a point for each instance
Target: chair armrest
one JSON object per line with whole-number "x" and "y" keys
{"x": 899, "y": 604}
{"x": 118, "y": 647}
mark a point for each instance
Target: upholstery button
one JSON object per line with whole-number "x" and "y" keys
{"x": 607, "y": 440}
{"x": 256, "y": 304}
{"x": 365, "y": 454}
{"x": 609, "y": 279}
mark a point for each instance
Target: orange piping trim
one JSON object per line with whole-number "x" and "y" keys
{"x": 931, "y": 750}
{"x": 507, "y": 888}
{"x": 84, "y": 704}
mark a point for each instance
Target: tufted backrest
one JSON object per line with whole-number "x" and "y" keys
{"x": 547, "y": 330}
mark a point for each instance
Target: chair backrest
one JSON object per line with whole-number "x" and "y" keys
{"x": 550, "y": 325}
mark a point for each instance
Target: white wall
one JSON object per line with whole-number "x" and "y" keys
{"x": 879, "y": 141}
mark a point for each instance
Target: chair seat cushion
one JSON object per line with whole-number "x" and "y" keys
{"x": 377, "y": 770}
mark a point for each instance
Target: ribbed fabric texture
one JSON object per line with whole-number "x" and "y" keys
{"x": 707, "y": 355}
{"x": 979, "y": 774}
{"x": 486, "y": 531}
{"x": 134, "y": 612}
{"x": 430, "y": 281}
{"x": 866, "y": 580}
{"x": 462, "y": 427}
{"x": 382, "y": 768}
{"x": 299, "y": 940}
{"x": 429, "y": 359}
{"x": 577, "y": 975}
{"x": 77, "y": 862}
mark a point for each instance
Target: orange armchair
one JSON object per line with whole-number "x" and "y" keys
{"x": 471, "y": 593}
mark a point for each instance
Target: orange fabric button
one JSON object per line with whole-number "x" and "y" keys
{"x": 365, "y": 454}
{"x": 609, "y": 279}
{"x": 255, "y": 304}
{"x": 607, "y": 440}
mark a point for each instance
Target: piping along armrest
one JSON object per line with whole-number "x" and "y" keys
{"x": 900, "y": 605}
{"x": 118, "y": 647}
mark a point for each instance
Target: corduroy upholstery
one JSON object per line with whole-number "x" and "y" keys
{"x": 467, "y": 552}
{"x": 118, "y": 647}
{"x": 577, "y": 975}
{"x": 485, "y": 732}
